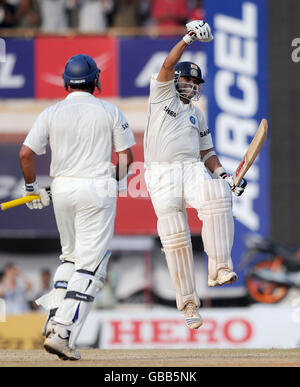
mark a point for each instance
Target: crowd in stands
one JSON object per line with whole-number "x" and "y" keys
{"x": 57, "y": 16}
{"x": 18, "y": 292}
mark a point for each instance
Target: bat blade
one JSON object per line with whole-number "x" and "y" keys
{"x": 18, "y": 202}
{"x": 252, "y": 152}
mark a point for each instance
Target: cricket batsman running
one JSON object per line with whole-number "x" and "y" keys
{"x": 183, "y": 168}
{"x": 82, "y": 131}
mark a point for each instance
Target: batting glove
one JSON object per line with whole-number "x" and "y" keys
{"x": 34, "y": 189}
{"x": 198, "y": 30}
{"x": 236, "y": 190}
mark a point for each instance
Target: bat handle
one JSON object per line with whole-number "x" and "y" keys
{"x": 18, "y": 202}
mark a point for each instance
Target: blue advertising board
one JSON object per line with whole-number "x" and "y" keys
{"x": 139, "y": 58}
{"x": 237, "y": 101}
{"x": 17, "y": 70}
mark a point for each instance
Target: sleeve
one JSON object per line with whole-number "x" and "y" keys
{"x": 123, "y": 137}
{"x": 204, "y": 133}
{"x": 37, "y": 138}
{"x": 161, "y": 91}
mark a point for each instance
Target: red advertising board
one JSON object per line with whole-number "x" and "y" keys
{"x": 52, "y": 53}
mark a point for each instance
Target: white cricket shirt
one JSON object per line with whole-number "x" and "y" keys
{"x": 82, "y": 131}
{"x": 176, "y": 132}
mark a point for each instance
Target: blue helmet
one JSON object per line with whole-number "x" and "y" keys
{"x": 80, "y": 70}
{"x": 188, "y": 69}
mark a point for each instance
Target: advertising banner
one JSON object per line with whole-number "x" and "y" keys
{"x": 52, "y": 53}
{"x": 22, "y": 331}
{"x": 237, "y": 101}
{"x": 17, "y": 69}
{"x": 165, "y": 328}
{"x": 142, "y": 57}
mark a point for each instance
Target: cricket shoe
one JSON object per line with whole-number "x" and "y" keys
{"x": 57, "y": 344}
{"x": 225, "y": 276}
{"x": 192, "y": 317}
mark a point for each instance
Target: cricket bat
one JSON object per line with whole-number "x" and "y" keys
{"x": 23, "y": 200}
{"x": 18, "y": 202}
{"x": 252, "y": 152}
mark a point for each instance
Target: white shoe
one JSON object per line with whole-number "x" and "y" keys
{"x": 192, "y": 317}
{"x": 57, "y": 344}
{"x": 225, "y": 276}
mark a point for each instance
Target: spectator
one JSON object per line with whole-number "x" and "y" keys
{"x": 169, "y": 13}
{"x": 144, "y": 13}
{"x": 6, "y": 14}
{"x": 13, "y": 289}
{"x": 126, "y": 13}
{"x": 19, "y": 13}
{"x": 26, "y": 13}
{"x": 45, "y": 287}
{"x": 53, "y": 15}
{"x": 196, "y": 11}
{"x": 72, "y": 13}
{"x": 92, "y": 14}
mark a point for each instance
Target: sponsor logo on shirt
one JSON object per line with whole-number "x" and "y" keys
{"x": 125, "y": 126}
{"x": 170, "y": 112}
{"x": 205, "y": 133}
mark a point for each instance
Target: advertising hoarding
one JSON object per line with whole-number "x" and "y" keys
{"x": 142, "y": 57}
{"x": 52, "y": 53}
{"x": 17, "y": 69}
{"x": 237, "y": 101}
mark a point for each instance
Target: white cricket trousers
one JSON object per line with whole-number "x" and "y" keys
{"x": 85, "y": 212}
{"x": 172, "y": 185}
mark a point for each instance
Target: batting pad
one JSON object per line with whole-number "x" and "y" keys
{"x": 54, "y": 299}
{"x": 218, "y": 225}
{"x": 176, "y": 240}
{"x": 82, "y": 290}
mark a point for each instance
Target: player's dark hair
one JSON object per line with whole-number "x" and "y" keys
{"x": 88, "y": 87}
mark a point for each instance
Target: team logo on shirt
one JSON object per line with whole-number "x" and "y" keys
{"x": 193, "y": 120}
{"x": 169, "y": 111}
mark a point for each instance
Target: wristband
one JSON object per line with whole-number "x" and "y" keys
{"x": 208, "y": 155}
{"x": 31, "y": 187}
{"x": 220, "y": 172}
{"x": 188, "y": 38}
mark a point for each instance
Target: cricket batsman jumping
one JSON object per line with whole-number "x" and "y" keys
{"x": 183, "y": 168}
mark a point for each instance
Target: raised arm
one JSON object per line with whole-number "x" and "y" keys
{"x": 196, "y": 30}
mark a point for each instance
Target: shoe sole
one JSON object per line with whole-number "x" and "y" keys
{"x": 194, "y": 326}
{"x": 229, "y": 281}
{"x": 54, "y": 351}
{"x": 232, "y": 279}
{"x": 61, "y": 355}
